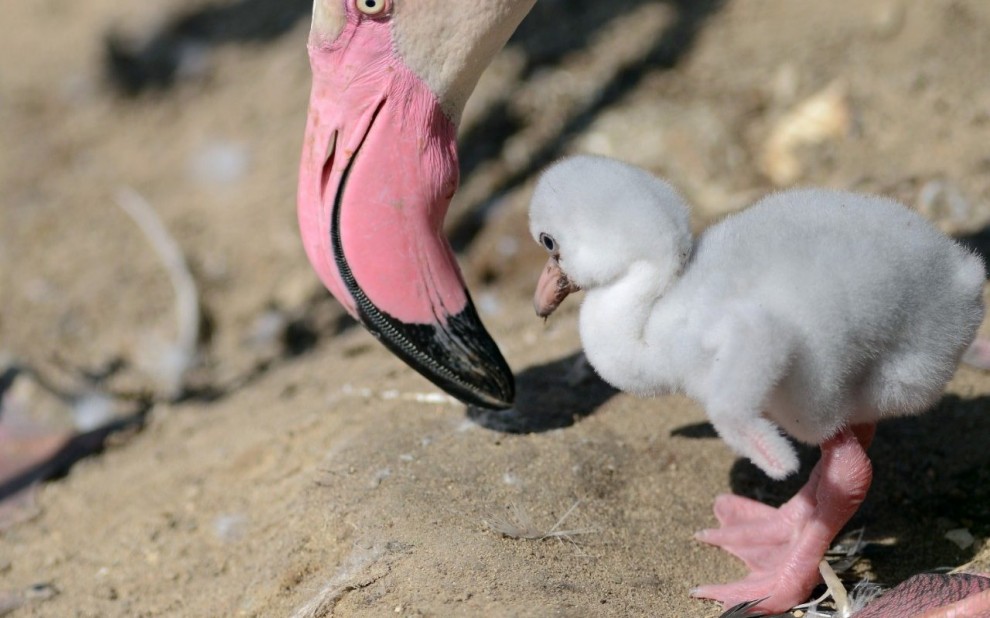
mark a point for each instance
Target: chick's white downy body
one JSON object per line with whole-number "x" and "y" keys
{"x": 813, "y": 309}
{"x": 815, "y": 312}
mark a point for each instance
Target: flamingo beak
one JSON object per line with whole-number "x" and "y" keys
{"x": 552, "y": 288}
{"x": 379, "y": 167}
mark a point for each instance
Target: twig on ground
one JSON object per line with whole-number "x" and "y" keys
{"x": 361, "y": 569}
{"x": 173, "y": 362}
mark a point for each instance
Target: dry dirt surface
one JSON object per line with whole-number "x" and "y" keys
{"x": 297, "y": 469}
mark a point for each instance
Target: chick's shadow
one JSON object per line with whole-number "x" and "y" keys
{"x": 931, "y": 474}
{"x": 548, "y": 396}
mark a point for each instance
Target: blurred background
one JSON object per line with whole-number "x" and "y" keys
{"x": 199, "y": 108}
{"x": 188, "y": 115}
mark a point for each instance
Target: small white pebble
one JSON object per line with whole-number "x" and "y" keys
{"x": 229, "y": 527}
{"x": 349, "y": 390}
{"x": 380, "y": 476}
{"x": 507, "y": 246}
{"x": 91, "y": 411}
{"x": 961, "y": 537}
{"x": 267, "y": 328}
{"x": 193, "y": 59}
{"x": 489, "y": 304}
{"x": 219, "y": 162}
{"x": 435, "y": 398}
{"x": 942, "y": 199}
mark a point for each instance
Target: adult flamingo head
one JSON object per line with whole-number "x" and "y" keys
{"x": 379, "y": 166}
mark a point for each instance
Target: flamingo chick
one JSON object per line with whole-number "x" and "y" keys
{"x": 814, "y": 313}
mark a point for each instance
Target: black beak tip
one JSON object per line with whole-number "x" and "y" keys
{"x": 496, "y": 392}
{"x": 460, "y": 356}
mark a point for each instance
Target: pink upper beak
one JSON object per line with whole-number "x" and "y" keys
{"x": 379, "y": 167}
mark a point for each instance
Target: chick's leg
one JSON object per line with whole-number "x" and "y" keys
{"x": 782, "y": 547}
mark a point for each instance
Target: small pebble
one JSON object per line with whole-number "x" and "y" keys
{"x": 489, "y": 304}
{"x": 943, "y": 202}
{"x": 91, "y": 411}
{"x": 888, "y": 19}
{"x": 822, "y": 117}
{"x": 380, "y": 476}
{"x": 230, "y": 527}
{"x": 267, "y": 329}
{"x": 961, "y": 537}
{"x": 219, "y": 163}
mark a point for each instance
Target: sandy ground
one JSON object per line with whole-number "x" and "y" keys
{"x": 303, "y": 469}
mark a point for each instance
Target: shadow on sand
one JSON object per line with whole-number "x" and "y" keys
{"x": 548, "y": 396}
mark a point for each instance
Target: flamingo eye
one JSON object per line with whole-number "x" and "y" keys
{"x": 371, "y": 7}
{"x": 547, "y": 241}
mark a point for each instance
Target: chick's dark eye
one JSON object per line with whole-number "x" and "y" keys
{"x": 547, "y": 241}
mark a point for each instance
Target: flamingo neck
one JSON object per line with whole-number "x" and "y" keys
{"x": 449, "y": 43}
{"x": 630, "y": 330}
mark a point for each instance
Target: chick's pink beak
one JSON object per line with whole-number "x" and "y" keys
{"x": 379, "y": 167}
{"x": 552, "y": 288}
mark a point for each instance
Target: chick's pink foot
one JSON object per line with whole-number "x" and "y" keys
{"x": 783, "y": 546}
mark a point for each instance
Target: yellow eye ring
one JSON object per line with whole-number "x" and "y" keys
{"x": 371, "y": 7}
